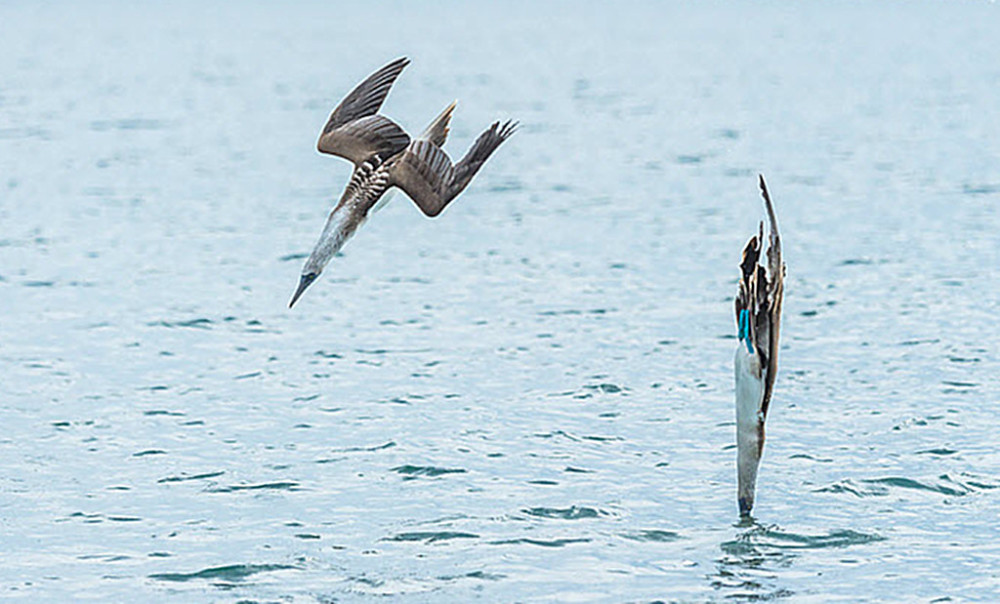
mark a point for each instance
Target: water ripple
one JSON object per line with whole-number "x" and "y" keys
{"x": 570, "y": 513}
{"x": 414, "y": 472}
{"x": 541, "y": 542}
{"x": 881, "y": 487}
{"x": 654, "y": 535}
{"x": 186, "y": 477}
{"x": 232, "y": 573}
{"x": 431, "y": 537}
{"x": 200, "y": 323}
{"x": 264, "y": 486}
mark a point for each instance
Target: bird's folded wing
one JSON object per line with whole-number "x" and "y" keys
{"x": 481, "y": 150}
{"x": 426, "y": 174}
{"x": 747, "y": 296}
{"x": 367, "y": 97}
{"x": 775, "y": 283}
{"x": 761, "y": 293}
{"x": 361, "y": 139}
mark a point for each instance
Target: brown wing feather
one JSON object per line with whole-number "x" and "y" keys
{"x": 480, "y": 151}
{"x": 761, "y": 292}
{"x": 367, "y": 97}
{"x": 775, "y": 297}
{"x": 425, "y": 173}
{"x": 361, "y": 139}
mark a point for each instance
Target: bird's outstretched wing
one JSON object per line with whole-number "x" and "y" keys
{"x": 355, "y": 131}
{"x": 359, "y": 140}
{"x": 425, "y": 173}
{"x": 761, "y": 292}
{"x": 367, "y": 97}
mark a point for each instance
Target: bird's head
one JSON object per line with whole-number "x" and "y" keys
{"x": 305, "y": 281}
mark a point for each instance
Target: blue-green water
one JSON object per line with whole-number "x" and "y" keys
{"x": 530, "y": 397}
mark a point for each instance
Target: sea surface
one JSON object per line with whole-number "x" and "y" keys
{"x": 529, "y": 398}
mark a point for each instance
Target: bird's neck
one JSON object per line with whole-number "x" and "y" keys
{"x": 367, "y": 185}
{"x": 340, "y": 226}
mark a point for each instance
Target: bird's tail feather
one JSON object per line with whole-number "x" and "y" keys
{"x": 437, "y": 131}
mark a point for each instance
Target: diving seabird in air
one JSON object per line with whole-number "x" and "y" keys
{"x": 758, "y": 319}
{"x": 384, "y": 156}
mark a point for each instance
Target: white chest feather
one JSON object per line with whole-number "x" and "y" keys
{"x": 749, "y": 388}
{"x": 749, "y": 424}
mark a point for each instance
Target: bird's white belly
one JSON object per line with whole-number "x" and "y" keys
{"x": 749, "y": 425}
{"x": 749, "y": 388}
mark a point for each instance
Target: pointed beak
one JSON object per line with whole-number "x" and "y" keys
{"x": 304, "y": 282}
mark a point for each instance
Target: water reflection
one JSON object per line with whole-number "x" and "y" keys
{"x": 748, "y": 568}
{"x": 753, "y": 563}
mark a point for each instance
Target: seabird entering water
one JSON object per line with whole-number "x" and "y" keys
{"x": 384, "y": 156}
{"x": 758, "y": 320}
